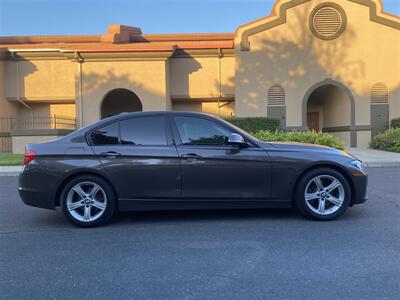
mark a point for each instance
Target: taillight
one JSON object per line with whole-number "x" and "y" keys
{"x": 29, "y": 156}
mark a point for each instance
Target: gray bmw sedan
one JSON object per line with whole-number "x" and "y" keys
{"x": 184, "y": 160}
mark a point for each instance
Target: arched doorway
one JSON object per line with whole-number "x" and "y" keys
{"x": 329, "y": 107}
{"x": 119, "y": 100}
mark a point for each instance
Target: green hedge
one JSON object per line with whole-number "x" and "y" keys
{"x": 388, "y": 140}
{"x": 254, "y": 124}
{"x": 395, "y": 123}
{"x": 310, "y": 137}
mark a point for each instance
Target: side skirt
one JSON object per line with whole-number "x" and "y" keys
{"x": 174, "y": 204}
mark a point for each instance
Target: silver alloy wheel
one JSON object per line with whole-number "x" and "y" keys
{"x": 324, "y": 194}
{"x": 86, "y": 201}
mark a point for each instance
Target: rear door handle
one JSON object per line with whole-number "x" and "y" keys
{"x": 110, "y": 154}
{"x": 191, "y": 156}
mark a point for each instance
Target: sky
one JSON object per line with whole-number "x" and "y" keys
{"x": 72, "y": 17}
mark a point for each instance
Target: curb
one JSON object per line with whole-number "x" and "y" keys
{"x": 4, "y": 174}
{"x": 10, "y": 170}
{"x": 382, "y": 164}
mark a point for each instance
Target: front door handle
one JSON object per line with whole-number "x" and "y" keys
{"x": 110, "y": 154}
{"x": 191, "y": 156}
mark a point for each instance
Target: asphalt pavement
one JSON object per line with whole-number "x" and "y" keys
{"x": 242, "y": 254}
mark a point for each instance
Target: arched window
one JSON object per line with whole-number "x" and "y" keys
{"x": 276, "y": 107}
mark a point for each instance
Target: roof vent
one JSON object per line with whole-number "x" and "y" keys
{"x": 276, "y": 95}
{"x": 379, "y": 94}
{"x": 327, "y": 21}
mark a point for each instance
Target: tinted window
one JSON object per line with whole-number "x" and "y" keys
{"x": 143, "y": 131}
{"x": 107, "y": 135}
{"x": 196, "y": 131}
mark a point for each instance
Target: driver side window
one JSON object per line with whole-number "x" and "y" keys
{"x": 197, "y": 131}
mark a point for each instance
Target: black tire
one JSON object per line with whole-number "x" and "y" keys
{"x": 304, "y": 207}
{"x": 110, "y": 203}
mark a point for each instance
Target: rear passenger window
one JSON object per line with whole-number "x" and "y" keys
{"x": 148, "y": 131}
{"x": 107, "y": 135}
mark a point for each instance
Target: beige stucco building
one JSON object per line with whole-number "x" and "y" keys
{"x": 330, "y": 65}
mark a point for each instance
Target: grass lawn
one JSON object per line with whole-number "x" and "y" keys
{"x": 11, "y": 159}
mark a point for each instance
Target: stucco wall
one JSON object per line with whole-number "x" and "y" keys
{"x": 6, "y": 108}
{"x": 344, "y": 136}
{"x": 363, "y": 138}
{"x": 147, "y": 79}
{"x": 224, "y": 109}
{"x": 66, "y": 110}
{"x": 198, "y": 77}
{"x": 336, "y": 107}
{"x": 394, "y": 104}
{"x": 40, "y": 79}
{"x": 290, "y": 55}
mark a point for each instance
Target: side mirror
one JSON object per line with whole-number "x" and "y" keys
{"x": 237, "y": 139}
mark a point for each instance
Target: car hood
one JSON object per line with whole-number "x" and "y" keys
{"x": 294, "y": 146}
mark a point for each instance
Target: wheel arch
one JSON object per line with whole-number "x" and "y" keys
{"x": 328, "y": 165}
{"x": 77, "y": 174}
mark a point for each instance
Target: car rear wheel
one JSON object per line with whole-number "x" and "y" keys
{"x": 323, "y": 194}
{"x": 88, "y": 201}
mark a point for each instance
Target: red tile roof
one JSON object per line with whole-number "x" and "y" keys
{"x": 118, "y": 42}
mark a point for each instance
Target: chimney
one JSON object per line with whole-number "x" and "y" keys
{"x": 119, "y": 34}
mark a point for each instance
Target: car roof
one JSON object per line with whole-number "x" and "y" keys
{"x": 126, "y": 115}
{"x": 149, "y": 113}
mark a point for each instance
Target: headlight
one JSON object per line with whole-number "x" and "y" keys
{"x": 358, "y": 164}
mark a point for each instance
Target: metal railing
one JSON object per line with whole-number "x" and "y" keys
{"x": 7, "y": 124}
{"x": 53, "y": 122}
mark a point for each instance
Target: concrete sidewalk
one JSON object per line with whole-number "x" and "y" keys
{"x": 376, "y": 158}
{"x": 373, "y": 158}
{"x": 10, "y": 170}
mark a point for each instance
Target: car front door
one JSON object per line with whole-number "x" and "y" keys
{"x": 139, "y": 156}
{"x": 213, "y": 169}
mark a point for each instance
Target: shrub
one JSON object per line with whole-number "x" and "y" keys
{"x": 395, "y": 123}
{"x": 311, "y": 137}
{"x": 388, "y": 140}
{"x": 254, "y": 124}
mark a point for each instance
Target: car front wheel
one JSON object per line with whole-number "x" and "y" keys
{"x": 323, "y": 194}
{"x": 88, "y": 201}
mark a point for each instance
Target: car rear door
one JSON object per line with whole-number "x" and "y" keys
{"x": 213, "y": 169}
{"x": 139, "y": 156}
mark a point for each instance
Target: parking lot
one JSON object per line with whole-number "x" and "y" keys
{"x": 243, "y": 254}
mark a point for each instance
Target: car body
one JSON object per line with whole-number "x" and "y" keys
{"x": 182, "y": 160}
